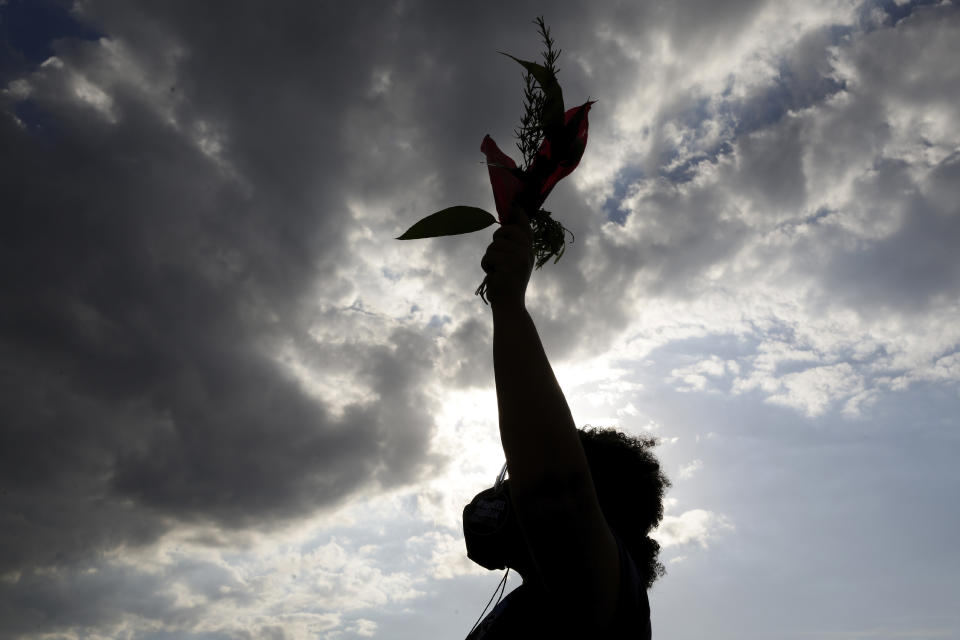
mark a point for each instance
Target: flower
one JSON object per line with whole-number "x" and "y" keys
{"x": 504, "y": 178}
{"x": 558, "y": 155}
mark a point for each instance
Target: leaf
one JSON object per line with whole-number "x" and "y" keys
{"x": 553, "y": 95}
{"x": 449, "y": 222}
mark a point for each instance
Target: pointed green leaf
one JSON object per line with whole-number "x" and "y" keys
{"x": 449, "y": 222}
{"x": 553, "y": 95}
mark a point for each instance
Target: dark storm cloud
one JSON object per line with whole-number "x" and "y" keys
{"x": 104, "y": 593}
{"x": 146, "y": 285}
{"x": 79, "y": 598}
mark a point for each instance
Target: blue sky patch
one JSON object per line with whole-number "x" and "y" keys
{"x": 28, "y": 30}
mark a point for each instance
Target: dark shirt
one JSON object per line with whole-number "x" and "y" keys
{"x": 527, "y": 613}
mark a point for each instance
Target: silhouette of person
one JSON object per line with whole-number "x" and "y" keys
{"x": 573, "y": 517}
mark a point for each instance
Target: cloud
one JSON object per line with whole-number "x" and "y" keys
{"x": 813, "y": 389}
{"x": 695, "y": 377}
{"x": 807, "y": 204}
{"x": 205, "y": 329}
{"x": 161, "y": 281}
{"x": 696, "y": 526}
{"x": 443, "y": 555}
{"x": 687, "y": 471}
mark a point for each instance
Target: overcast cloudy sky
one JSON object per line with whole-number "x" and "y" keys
{"x": 234, "y": 407}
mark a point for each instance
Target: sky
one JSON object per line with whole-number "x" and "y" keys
{"x": 234, "y": 406}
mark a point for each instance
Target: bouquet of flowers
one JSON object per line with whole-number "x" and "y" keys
{"x": 551, "y": 141}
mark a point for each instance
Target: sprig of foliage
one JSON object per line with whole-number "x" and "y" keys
{"x": 530, "y": 133}
{"x": 549, "y": 236}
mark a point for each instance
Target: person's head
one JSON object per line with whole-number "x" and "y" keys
{"x": 630, "y": 488}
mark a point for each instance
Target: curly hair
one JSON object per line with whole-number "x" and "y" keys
{"x": 630, "y": 488}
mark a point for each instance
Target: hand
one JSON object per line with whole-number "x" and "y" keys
{"x": 508, "y": 261}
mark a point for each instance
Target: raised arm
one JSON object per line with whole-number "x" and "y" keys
{"x": 537, "y": 430}
{"x": 571, "y": 544}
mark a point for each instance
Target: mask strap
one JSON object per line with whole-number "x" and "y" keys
{"x": 503, "y": 582}
{"x": 499, "y": 481}
{"x": 501, "y": 587}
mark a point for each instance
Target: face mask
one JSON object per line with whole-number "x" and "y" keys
{"x": 491, "y": 531}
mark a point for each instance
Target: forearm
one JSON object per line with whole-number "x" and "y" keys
{"x": 537, "y": 430}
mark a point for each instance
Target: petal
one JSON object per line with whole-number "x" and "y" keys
{"x": 506, "y": 184}
{"x": 564, "y": 152}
